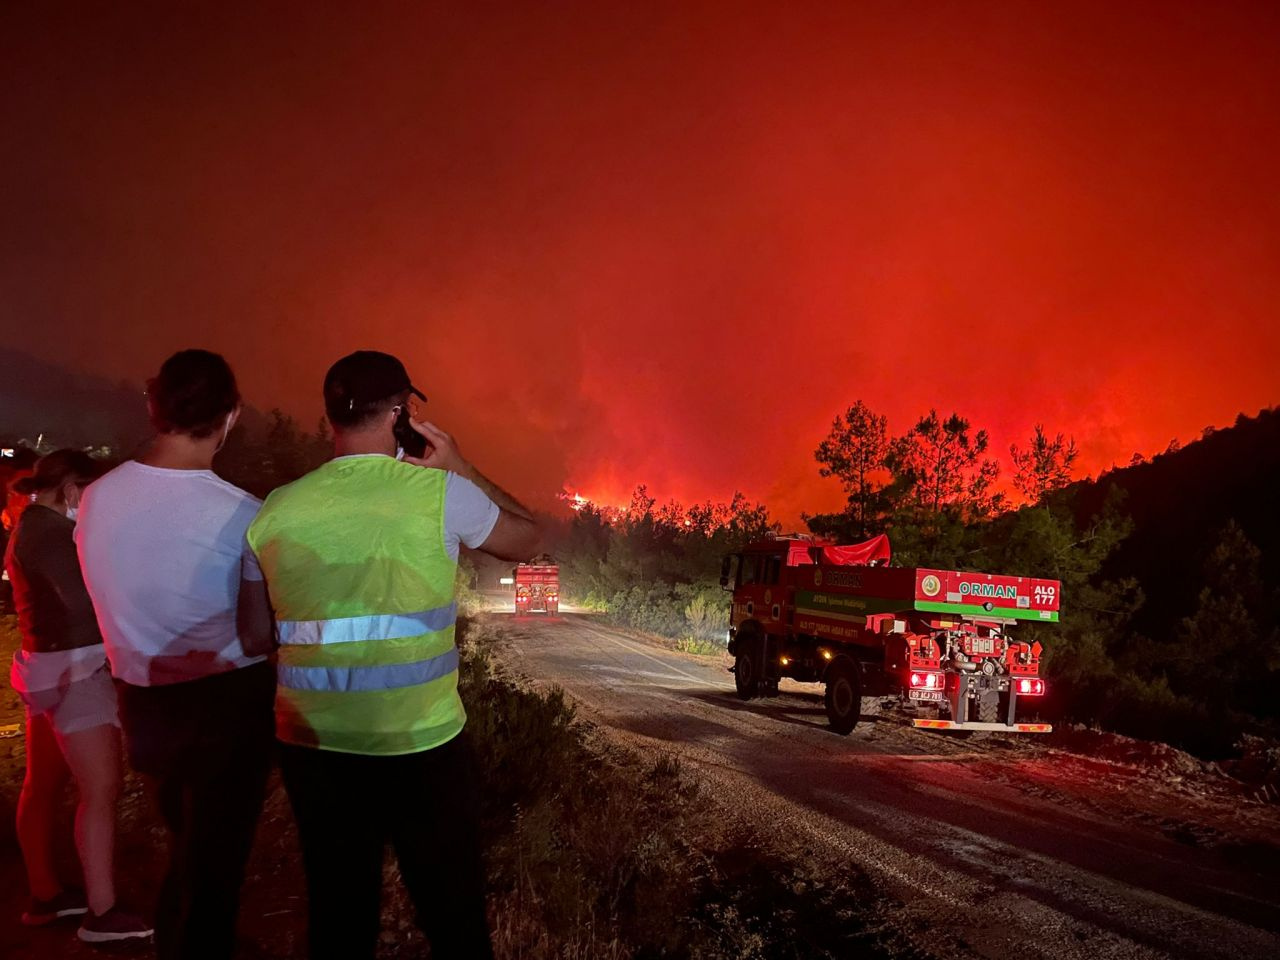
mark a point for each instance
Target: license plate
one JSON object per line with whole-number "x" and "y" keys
{"x": 925, "y": 694}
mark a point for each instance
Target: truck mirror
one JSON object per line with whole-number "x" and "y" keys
{"x": 724, "y": 581}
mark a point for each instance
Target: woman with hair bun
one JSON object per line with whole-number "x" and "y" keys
{"x": 161, "y": 541}
{"x": 72, "y": 727}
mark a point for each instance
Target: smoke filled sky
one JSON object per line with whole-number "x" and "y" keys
{"x": 663, "y": 243}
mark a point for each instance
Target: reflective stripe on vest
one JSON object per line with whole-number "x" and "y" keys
{"x": 354, "y": 679}
{"x": 384, "y": 626}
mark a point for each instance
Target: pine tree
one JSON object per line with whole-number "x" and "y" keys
{"x": 1228, "y": 651}
{"x": 1044, "y": 466}
{"x": 854, "y": 453}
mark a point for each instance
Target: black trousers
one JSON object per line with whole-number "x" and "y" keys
{"x": 205, "y": 746}
{"x": 349, "y": 806}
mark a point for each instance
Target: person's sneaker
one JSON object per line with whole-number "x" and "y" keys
{"x": 113, "y": 925}
{"x": 69, "y": 903}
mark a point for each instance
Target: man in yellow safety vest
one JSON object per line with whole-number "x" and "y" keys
{"x": 359, "y": 559}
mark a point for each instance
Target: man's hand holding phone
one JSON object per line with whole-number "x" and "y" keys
{"x": 516, "y": 532}
{"x": 441, "y": 453}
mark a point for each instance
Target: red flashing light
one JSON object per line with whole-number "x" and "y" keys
{"x": 1030, "y": 687}
{"x": 926, "y": 681}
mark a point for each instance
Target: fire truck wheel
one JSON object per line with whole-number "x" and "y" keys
{"x": 844, "y": 696}
{"x": 745, "y": 667}
{"x": 989, "y": 707}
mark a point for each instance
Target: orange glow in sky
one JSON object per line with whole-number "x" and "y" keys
{"x": 667, "y": 243}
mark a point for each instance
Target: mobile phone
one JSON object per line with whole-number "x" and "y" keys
{"x": 410, "y": 440}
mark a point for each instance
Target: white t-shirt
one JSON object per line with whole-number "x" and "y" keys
{"x": 161, "y": 554}
{"x": 469, "y": 514}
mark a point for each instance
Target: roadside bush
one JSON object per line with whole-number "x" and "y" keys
{"x": 696, "y": 615}
{"x": 707, "y": 615}
{"x": 592, "y": 602}
{"x": 650, "y": 567}
{"x": 701, "y": 648}
{"x": 582, "y": 858}
{"x": 1150, "y": 710}
{"x": 470, "y": 600}
{"x": 654, "y": 607}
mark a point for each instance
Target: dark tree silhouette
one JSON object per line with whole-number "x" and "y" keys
{"x": 941, "y": 467}
{"x": 1044, "y": 465}
{"x": 854, "y": 453}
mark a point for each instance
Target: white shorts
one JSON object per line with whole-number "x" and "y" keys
{"x": 79, "y": 705}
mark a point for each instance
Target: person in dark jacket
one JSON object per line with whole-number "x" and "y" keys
{"x": 62, "y": 677}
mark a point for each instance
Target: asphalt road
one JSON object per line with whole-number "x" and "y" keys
{"x": 995, "y": 846}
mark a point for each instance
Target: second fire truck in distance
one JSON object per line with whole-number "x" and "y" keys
{"x": 938, "y": 640}
{"x": 537, "y": 586}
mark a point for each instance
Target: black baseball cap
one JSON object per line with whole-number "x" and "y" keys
{"x": 363, "y": 378}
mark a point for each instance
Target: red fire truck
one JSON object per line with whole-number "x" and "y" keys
{"x": 937, "y": 641}
{"x": 537, "y": 586}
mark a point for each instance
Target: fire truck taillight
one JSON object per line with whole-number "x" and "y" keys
{"x": 1030, "y": 687}
{"x": 926, "y": 681}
